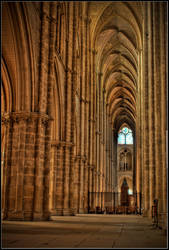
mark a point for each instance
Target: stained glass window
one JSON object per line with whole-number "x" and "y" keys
{"x": 121, "y": 138}
{"x": 125, "y": 136}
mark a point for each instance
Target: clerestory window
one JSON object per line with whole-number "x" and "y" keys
{"x": 125, "y": 136}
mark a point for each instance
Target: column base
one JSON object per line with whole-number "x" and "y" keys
{"x": 46, "y": 215}
{"x": 57, "y": 212}
{"x": 162, "y": 221}
{"x": 83, "y": 211}
{"x": 68, "y": 211}
{"x": 145, "y": 213}
{"x": 15, "y": 215}
{"x": 76, "y": 210}
{"x": 3, "y": 214}
{"x": 62, "y": 212}
{"x": 28, "y": 216}
{"x": 38, "y": 216}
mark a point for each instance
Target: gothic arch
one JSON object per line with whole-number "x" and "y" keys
{"x": 57, "y": 104}
{"x": 20, "y": 65}
{"x": 117, "y": 39}
{"x": 129, "y": 182}
{"x": 8, "y": 95}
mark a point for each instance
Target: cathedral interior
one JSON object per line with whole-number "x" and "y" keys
{"x": 83, "y": 109}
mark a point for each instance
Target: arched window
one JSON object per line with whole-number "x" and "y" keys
{"x": 125, "y": 136}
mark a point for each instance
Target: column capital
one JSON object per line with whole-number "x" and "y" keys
{"x": 51, "y": 19}
{"x": 100, "y": 74}
{"x": 62, "y": 144}
{"x": 25, "y": 116}
{"x": 68, "y": 70}
{"x": 91, "y": 120}
{"x": 87, "y": 20}
{"x": 139, "y": 50}
{"x": 104, "y": 91}
{"x": 82, "y": 158}
{"x": 94, "y": 52}
{"x": 84, "y": 100}
{"x": 98, "y": 132}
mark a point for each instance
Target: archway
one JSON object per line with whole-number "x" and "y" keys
{"x": 124, "y": 193}
{"x": 117, "y": 40}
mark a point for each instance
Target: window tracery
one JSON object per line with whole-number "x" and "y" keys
{"x": 125, "y": 136}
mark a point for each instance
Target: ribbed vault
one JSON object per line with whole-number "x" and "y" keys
{"x": 117, "y": 40}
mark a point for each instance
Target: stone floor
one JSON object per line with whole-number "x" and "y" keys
{"x": 84, "y": 231}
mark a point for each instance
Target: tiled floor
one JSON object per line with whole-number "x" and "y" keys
{"x": 84, "y": 231}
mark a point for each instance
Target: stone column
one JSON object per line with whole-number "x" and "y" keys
{"x": 164, "y": 87}
{"x": 74, "y": 87}
{"x": 66, "y": 181}
{"x": 90, "y": 116}
{"x": 51, "y": 78}
{"x": 39, "y": 171}
{"x": 28, "y": 166}
{"x": 106, "y": 148}
{"x": 94, "y": 135}
{"x": 42, "y": 105}
{"x": 159, "y": 103}
{"x": 52, "y": 180}
{"x": 141, "y": 136}
{"x": 151, "y": 111}
{"x": 4, "y": 178}
{"x": 86, "y": 188}
{"x": 69, "y": 110}
{"x": 93, "y": 188}
{"x": 82, "y": 169}
{"x": 146, "y": 118}
{"x": 138, "y": 129}
{"x": 72, "y": 181}
{"x": 20, "y": 164}
{"x": 114, "y": 159}
{"x": 13, "y": 175}
{"x": 58, "y": 181}
{"x": 89, "y": 187}
{"x": 77, "y": 165}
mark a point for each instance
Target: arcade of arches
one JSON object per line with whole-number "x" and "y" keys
{"x": 75, "y": 74}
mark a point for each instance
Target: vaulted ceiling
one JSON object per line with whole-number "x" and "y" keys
{"x": 117, "y": 40}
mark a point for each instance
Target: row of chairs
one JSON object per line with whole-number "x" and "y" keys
{"x": 113, "y": 210}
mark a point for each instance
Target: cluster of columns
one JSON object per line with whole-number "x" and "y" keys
{"x": 22, "y": 192}
{"x": 153, "y": 125}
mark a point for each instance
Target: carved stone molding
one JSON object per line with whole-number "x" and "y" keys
{"x": 94, "y": 52}
{"x": 91, "y": 120}
{"x": 82, "y": 158}
{"x": 87, "y": 20}
{"x": 100, "y": 74}
{"x": 84, "y": 100}
{"x": 104, "y": 90}
{"x": 90, "y": 166}
{"x": 62, "y": 144}
{"x": 98, "y": 173}
{"x": 51, "y": 19}
{"x": 16, "y": 117}
{"x": 74, "y": 72}
{"x": 68, "y": 70}
{"x": 98, "y": 132}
